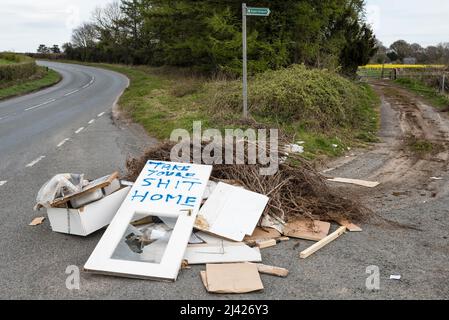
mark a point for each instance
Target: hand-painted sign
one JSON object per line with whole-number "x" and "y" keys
{"x": 168, "y": 187}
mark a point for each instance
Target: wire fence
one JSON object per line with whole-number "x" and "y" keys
{"x": 437, "y": 78}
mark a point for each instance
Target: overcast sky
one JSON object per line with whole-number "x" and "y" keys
{"x": 24, "y": 24}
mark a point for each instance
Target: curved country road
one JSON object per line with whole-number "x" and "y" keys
{"x": 65, "y": 128}
{"x": 33, "y": 125}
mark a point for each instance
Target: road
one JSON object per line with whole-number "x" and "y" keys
{"x": 65, "y": 128}
{"x": 39, "y": 142}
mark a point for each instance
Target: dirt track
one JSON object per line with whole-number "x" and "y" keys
{"x": 405, "y": 172}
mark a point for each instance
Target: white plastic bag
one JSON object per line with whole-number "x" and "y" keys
{"x": 59, "y": 186}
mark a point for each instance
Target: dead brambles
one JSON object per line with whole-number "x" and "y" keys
{"x": 297, "y": 190}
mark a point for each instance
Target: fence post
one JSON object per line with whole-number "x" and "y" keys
{"x": 443, "y": 86}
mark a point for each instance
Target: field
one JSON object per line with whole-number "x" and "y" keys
{"x": 4, "y": 61}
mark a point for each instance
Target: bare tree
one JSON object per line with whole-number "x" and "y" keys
{"x": 85, "y": 36}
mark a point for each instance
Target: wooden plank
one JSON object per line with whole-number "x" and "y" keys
{"x": 263, "y": 234}
{"x": 266, "y": 244}
{"x": 37, "y": 221}
{"x": 307, "y": 229}
{"x": 274, "y": 271}
{"x": 349, "y": 225}
{"x": 363, "y": 183}
{"x": 317, "y": 246}
{"x": 91, "y": 187}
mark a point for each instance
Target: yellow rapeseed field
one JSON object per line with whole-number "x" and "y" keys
{"x": 402, "y": 66}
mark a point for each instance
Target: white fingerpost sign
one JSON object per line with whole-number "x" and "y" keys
{"x": 248, "y": 11}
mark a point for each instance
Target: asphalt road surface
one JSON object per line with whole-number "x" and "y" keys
{"x": 68, "y": 128}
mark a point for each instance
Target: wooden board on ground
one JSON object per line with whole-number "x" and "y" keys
{"x": 217, "y": 250}
{"x": 37, "y": 221}
{"x": 363, "y": 183}
{"x": 349, "y": 225}
{"x": 307, "y": 229}
{"x": 231, "y": 212}
{"x": 273, "y": 271}
{"x": 317, "y": 246}
{"x": 263, "y": 234}
{"x": 266, "y": 244}
{"x": 91, "y": 187}
{"x": 232, "y": 278}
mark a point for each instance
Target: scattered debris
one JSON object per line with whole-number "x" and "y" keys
{"x": 165, "y": 191}
{"x": 363, "y": 183}
{"x": 273, "y": 222}
{"x": 436, "y": 178}
{"x": 232, "y": 278}
{"x": 294, "y": 148}
{"x": 395, "y": 277}
{"x": 217, "y": 250}
{"x": 266, "y": 244}
{"x": 274, "y": 271}
{"x": 296, "y": 190}
{"x": 263, "y": 234}
{"x": 88, "y": 219}
{"x": 228, "y": 204}
{"x": 306, "y": 229}
{"x": 349, "y": 225}
{"x": 91, "y": 187}
{"x": 37, "y": 221}
{"x": 317, "y": 246}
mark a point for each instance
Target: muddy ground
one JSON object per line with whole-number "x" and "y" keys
{"x": 411, "y": 163}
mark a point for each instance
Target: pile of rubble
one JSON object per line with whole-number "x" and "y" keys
{"x": 173, "y": 215}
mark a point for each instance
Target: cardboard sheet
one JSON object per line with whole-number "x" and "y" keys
{"x": 263, "y": 234}
{"x": 232, "y": 278}
{"x": 37, "y": 221}
{"x": 305, "y": 229}
{"x": 231, "y": 212}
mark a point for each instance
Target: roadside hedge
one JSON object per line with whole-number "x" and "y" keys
{"x": 22, "y": 67}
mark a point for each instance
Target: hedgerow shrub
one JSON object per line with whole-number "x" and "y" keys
{"x": 318, "y": 99}
{"x": 22, "y": 68}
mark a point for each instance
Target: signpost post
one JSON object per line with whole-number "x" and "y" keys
{"x": 248, "y": 11}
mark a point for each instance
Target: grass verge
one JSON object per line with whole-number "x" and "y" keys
{"x": 42, "y": 79}
{"x": 326, "y": 112}
{"x": 431, "y": 95}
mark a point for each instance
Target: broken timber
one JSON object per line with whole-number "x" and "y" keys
{"x": 317, "y": 246}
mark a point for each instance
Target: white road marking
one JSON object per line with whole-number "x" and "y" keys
{"x": 33, "y": 163}
{"x": 2, "y": 183}
{"x": 70, "y": 93}
{"x": 86, "y": 86}
{"x": 62, "y": 143}
{"x": 101, "y": 114}
{"x": 91, "y": 121}
{"x": 79, "y": 130}
{"x": 40, "y": 105}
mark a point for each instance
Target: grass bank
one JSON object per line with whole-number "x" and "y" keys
{"x": 43, "y": 78}
{"x": 325, "y": 111}
{"x": 430, "y": 94}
